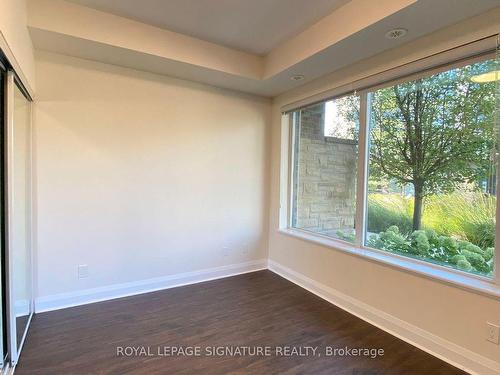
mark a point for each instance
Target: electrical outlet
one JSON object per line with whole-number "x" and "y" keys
{"x": 83, "y": 271}
{"x": 493, "y": 333}
{"x": 225, "y": 251}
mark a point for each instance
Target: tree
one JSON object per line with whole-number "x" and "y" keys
{"x": 434, "y": 133}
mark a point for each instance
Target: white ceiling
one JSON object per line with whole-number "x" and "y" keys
{"x": 254, "y": 26}
{"x": 82, "y": 33}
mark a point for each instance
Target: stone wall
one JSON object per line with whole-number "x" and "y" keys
{"x": 326, "y": 177}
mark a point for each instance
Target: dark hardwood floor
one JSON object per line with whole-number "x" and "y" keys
{"x": 255, "y": 309}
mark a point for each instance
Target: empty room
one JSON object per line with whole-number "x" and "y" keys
{"x": 249, "y": 187}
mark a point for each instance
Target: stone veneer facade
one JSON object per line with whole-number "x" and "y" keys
{"x": 325, "y": 170}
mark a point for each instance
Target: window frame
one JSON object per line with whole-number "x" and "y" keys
{"x": 471, "y": 281}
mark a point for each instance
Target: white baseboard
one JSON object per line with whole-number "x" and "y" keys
{"x": 447, "y": 351}
{"x": 82, "y": 297}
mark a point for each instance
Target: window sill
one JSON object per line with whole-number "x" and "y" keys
{"x": 457, "y": 278}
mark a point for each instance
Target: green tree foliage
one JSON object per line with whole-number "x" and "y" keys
{"x": 434, "y": 133}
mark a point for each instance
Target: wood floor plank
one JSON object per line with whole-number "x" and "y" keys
{"x": 258, "y": 309}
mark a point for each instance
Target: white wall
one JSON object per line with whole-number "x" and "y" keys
{"x": 15, "y": 40}
{"x": 142, "y": 176}
{"x": 453, "y": 316}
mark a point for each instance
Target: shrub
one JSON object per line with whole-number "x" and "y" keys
{"x": 464, "y": 265}
{"x": 489, "y": 253}
{"x": 348, "y": 236}
{"x": 393, "y": 240}
{"x": 449, "y": 244}
{"x": 465, "y": 215}
{"x": 467, "y": 246}
{"x": 481, "y": 234}
{"x": 419, "y": 243}
{"x": 426, "y": 244}
{"x": 385, "y": 210}
{"x": 476, "y": 261}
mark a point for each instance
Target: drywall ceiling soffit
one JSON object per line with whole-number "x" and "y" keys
{"x": 353, "y": 31}
{"x": 255, "y": 26}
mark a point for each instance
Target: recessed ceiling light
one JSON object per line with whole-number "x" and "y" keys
{"x": 396, "y": 33}
{"x": 297, "y": 77}
{"x": 486, "y": 77}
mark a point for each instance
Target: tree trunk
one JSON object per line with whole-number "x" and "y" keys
{"x": 418, "y": 206}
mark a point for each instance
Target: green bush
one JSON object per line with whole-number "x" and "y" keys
{"x": 466, "y": 215}
{"x": 463, "y": 215}
{"x": 481, "y": 234}
{"x": 390, "y": 240}
{"x": 419, "y": 243}
{"x": 385, "y": 210}
{"x": 489, "y": 253}
{"x": 464, "y": 265}
{"x": 428, "y": 245}
{"x": 348, "y": 236}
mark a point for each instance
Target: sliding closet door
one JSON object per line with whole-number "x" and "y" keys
{"x": 19, "y": 215}
{"x": 3, "y": 310}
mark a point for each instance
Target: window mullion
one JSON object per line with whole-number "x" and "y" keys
{"x": 293, "y": 122}
{"x": 496, "y": 125}
{"x": 362, "y": 170}
{"x": 496, "y": 257}
{"x": 284, "y": 171}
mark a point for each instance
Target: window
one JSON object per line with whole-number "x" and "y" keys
{"x": 432, "y": 169}
{"x": 325, "y": 159}
{"x": 428, "y": 189}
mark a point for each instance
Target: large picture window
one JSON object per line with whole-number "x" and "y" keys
{"x": 432, "y": 168}
{"x": 427, "y": 149}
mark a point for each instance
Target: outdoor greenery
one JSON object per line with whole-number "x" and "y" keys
{"x": 432, "y": 168}
{"x": 436, "y": 136}
{"x": 458, "y": 229}
{"x": 466, "y": 216}
{"x": 427, "y": 244}
{"x": 385, "y": 210}
{"x": 435, "y": 133}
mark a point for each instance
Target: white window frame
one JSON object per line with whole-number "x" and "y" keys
{"x": 469, "y": 281}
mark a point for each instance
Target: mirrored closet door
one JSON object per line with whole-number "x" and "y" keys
{"x": 18, "y": 244}
{"x": 3, "y": 304}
